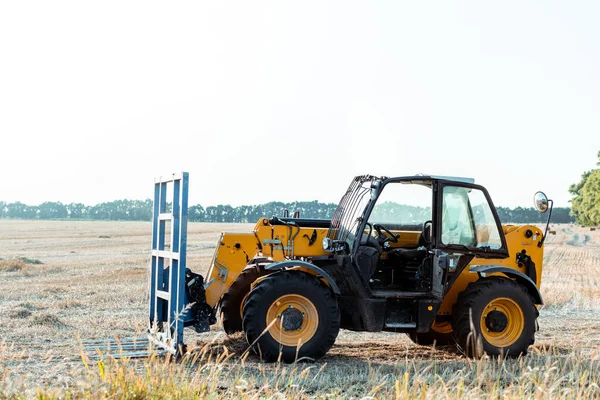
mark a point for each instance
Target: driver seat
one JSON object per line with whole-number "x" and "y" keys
{"x": 418, "y": 253}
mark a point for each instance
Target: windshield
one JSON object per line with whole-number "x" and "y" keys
{"x": 403, "y": 205}
{"x": 350, "y": 211}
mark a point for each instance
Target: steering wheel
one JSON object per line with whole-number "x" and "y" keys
{"x": 426, "y": 238}
{"x": 391, "y": 238}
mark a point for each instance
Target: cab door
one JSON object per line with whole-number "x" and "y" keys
{"x": 467, "y": 222}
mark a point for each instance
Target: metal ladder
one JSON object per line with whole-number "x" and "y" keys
{"x": 166, "y": 282}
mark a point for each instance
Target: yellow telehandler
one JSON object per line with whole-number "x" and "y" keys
{"x": 422, "y": 255}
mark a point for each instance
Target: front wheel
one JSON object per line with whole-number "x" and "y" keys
{"x": 292, "y": 315}
{"x": 496, "y": 316}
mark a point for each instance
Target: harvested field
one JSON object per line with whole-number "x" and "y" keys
{"x": 62, "y": 281}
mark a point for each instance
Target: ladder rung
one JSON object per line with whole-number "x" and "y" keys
{"x": 141, "y": 339}
{"x": 116, "y": 347}
{"x": 165, "y": 216}
{"x": 169, "y": 178}
{"x": 166, "y": 254}
{"x": 130, "y": 354}
{"x": 162, "y": 294}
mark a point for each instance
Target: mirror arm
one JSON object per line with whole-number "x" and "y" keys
{"x": 541, "y": 242}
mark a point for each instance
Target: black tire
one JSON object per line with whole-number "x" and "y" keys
{"x": 431, "y": 337}
{"x": 474, "y": 301}
{"x": 267, "y": 292}
{"x": 231, "y": 304}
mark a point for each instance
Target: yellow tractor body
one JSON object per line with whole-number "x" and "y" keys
{"x": 432, "y": 271}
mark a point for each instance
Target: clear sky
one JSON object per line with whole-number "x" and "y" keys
{"x": 284, "y": 100}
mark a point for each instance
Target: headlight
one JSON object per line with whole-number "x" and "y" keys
{"x": 327, "y": 244}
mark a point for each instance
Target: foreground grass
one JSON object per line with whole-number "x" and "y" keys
{"x": 215, "y": 372}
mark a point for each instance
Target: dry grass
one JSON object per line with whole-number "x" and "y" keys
{"x": 94, "y": 287}
{"x": 12, "y": 265}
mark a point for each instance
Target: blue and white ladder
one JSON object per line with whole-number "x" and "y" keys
{"x": 168, "y": 299}
{"x": 168, "y": 263}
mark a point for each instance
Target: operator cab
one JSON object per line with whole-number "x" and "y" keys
{"x": 412, "y": 221}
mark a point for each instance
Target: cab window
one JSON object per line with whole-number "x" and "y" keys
{"x": 467, "y": 219}
{"x": 402, "y": 206}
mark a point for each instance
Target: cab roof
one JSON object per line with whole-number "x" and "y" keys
{"x": 432, "y": 177}
{"x": 452, "y": 178}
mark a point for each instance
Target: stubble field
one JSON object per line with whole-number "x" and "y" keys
{"x": 92, "y": 283}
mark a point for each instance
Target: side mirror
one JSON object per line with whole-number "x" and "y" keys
{"x": 541, "y": 202}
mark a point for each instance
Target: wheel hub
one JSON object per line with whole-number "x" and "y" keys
{"x": 291, "y": 319}
{"x": 496, "y": 321}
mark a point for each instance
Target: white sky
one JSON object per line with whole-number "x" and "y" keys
{"x": 289, "y": 100}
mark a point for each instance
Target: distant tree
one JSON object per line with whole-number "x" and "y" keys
{"x": 140, "y": 210}
{"x": 15, "y": 210}
{"x": 211, "y": 214}
{"x": 562, "y": 215}
{"x": 31, "y": 212}
{"x": 241, "y": 214}
{"x": 586, "y": 197}
{"x": 77, "y": 210}
{"x": 52, "y": 210}
{"x": 196, "y": 213}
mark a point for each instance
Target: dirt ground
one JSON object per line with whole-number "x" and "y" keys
{"x": 93, "y": 285}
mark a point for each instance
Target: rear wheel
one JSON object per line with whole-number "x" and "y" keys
{"x": 233, "y": 299}
{"x": 291, "y": 314}
{"x": 496, "y": 316}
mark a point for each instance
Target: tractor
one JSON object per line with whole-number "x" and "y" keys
{"x": 422, "y": 255}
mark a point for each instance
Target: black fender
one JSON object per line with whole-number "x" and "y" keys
{"x": 282, "y": 265}
{"x": 520, "y": 277}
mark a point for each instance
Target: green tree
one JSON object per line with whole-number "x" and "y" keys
{"x": 52, "y": 210}
{"x": 141, "y": 210}
{"x": 15, "y": 210}
{"x": 76, "y": 210}
{"x": 196, "y": 213}
{"x": 30, "y": 212}
{"x": 586, "y": 197}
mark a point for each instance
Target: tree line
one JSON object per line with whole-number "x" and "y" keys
{"x": 141, "y": 210}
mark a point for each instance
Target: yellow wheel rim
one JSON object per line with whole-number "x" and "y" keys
{"x": 292, "y": 320}
{"x": 502, "y": 322}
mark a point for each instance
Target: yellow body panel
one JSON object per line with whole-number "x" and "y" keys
{"x": 515, "y": 242}
{"x": 232, "y": 255}
{"x": 281, "y": 242}
{"x": 235, "y": 250}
